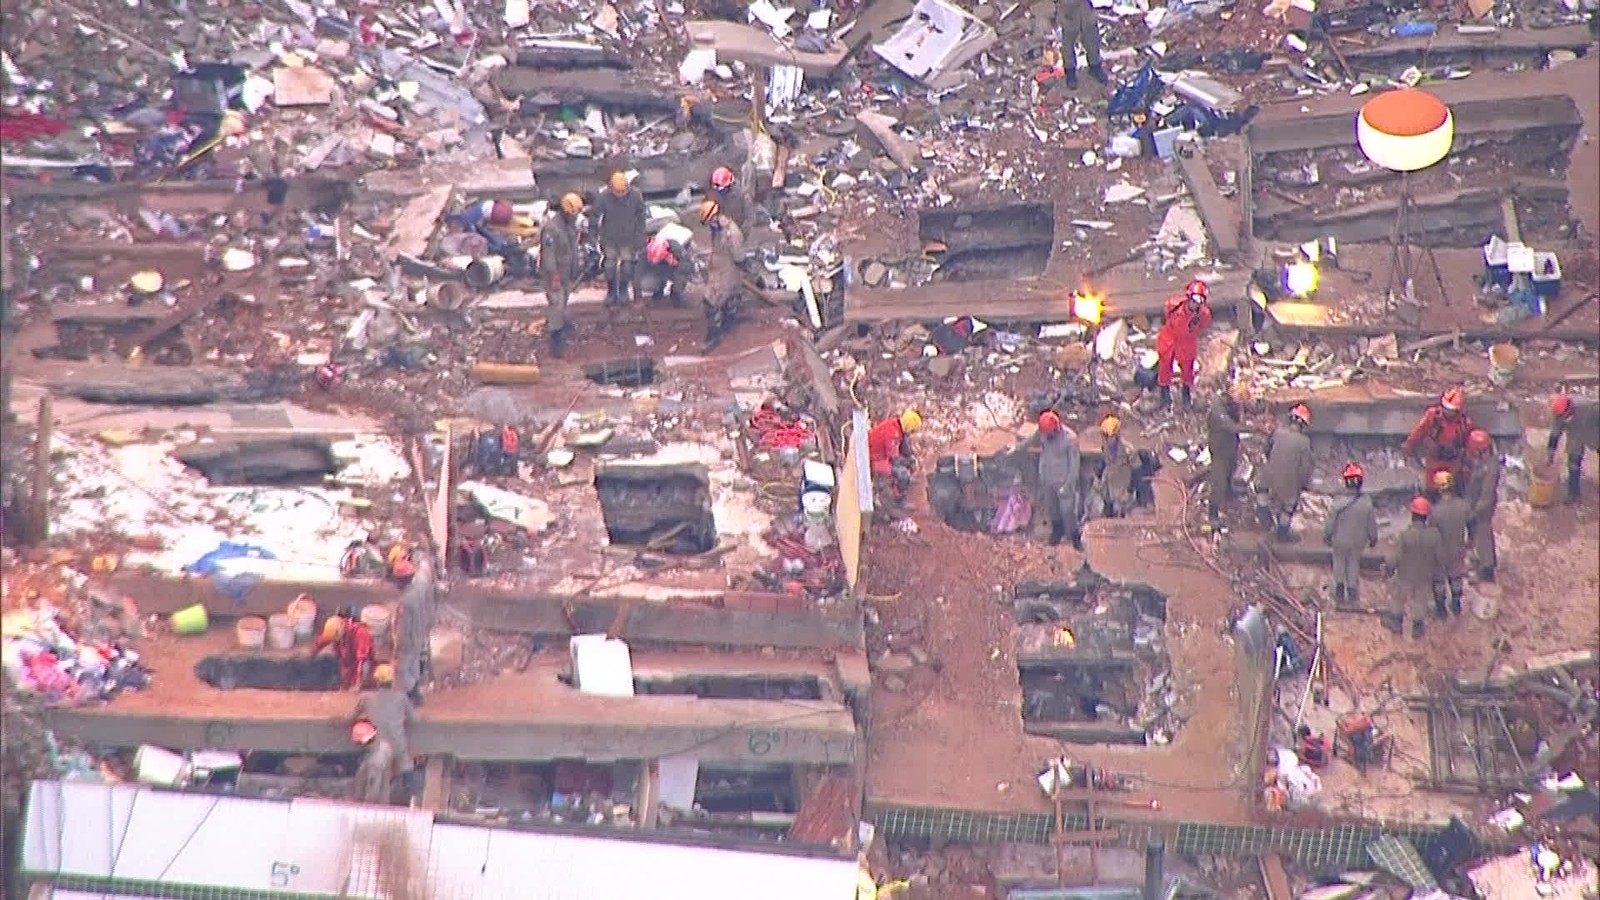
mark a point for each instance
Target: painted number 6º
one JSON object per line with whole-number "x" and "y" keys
{"x": 282, "y": 872}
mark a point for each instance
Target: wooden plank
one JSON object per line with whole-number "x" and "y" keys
{"x": 504, "y": 373}
{"x": 414, "y": 227}
{"x": 1275, "y": 878}
{"x": 1219, "y": 215}
{"x": 881, "y": 127}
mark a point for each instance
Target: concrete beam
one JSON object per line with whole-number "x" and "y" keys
{"x": 1313, "y": 319}
{"x": 1271, "y": 133}
{"x": 1308, "y": 553}
{"x": 1503, "y": 42}
{"x": 1220, "y": 216}
{"x": 793, "y": 732}
{"x": 537, "y": 615}
{"x": 1392, "y": 418}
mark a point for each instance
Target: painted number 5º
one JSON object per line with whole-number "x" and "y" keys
{"x": 282, "y": 872}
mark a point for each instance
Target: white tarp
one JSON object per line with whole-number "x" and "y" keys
{"x": 96, "y": 830}
{"x": 939, "y": 38}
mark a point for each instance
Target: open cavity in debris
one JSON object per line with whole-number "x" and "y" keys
{"x": 1092, "y": 661}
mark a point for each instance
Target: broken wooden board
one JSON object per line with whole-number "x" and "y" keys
{"x": 881, "y": 127}
{"x": 1220, "y": 216}
{"x": 733, "y": 41}
{"x": 504, "y": 373}
{"x": 414, "y": 227}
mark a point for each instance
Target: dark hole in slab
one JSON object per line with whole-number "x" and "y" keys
{"x": 990, "y": 244}
{"x": 666, "y": 508}
{"x": 732, "y": 687}
{"x": 1092, "y": 662}
{"x": 739, "y": 790}
{"x": 269, "y": 461}
{"x": 1025, "y": 260}
{"x": 240, "y": 671}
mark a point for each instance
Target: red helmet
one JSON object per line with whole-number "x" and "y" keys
{"x": 722, "y": 178}
{"x": 1049, "y": 421}
{"x": 1301, "y": 412}
{"x": 657, "y": 250}
{"x": 403, "y": 568}
{"x": 1354, "y": 470}
{"x": 1561, "y": 406}
{"x": 1479, "y": 441}
{"x": 1197, "y": 291}
{"x": 1420, "y": 506}
{"x": 1454, "y": 400}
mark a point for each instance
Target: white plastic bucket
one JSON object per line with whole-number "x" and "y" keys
{"x": 303, "y": 613}
{"x": 280, "y": 631}
{"x": 251, "y": 632}
{"x": 160, "y": 767}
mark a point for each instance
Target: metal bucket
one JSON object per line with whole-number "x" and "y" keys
{"x": 484, "y": 272}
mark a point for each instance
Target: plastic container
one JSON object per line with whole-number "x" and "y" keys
{"x": 156, "y": 766}
{"x": 1546, "y": 275}
{"x": 817, "y": 476}
{"x": 251, "y": 632}
{"x": 190, "y": 620}
{"x": 280, "y": 631}
{"x": 303, "y": 613}
{"x": 376, "y": 617}
{"x": 1496, "y": 269}
{"x": 1542, "y": 486}
{"x": 1503, "y": 363}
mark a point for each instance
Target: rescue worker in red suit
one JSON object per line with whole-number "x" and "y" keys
{"x": 351, "y": 641}
{"x": 889, "y": 456}
{"x": 1178, "y": 342}
{"x": 1440, "y": 437}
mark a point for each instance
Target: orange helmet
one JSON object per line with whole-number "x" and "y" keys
{"x": 1049, "y": 421}
{"x": 1301, "y": 412}
{"x": 403, "y": 568}
{"x": 1442, "y": 480}
{"x": 1561, "y": 406}
{"x": 1454, "y": 400}
{"x": 1353, "y": 470}
{"x": 1421, "y": 507}
{"x": 1197, "y": 291}
{"x": 1479, "y": 441}
{"x": 363, "y": 731}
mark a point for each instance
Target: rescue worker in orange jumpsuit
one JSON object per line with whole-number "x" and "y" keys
{"x": 889, "y": 454}
{"x": 351, "y": 641}
{"x": 1440, "y": 437}
{"x": 1178, "y": 342}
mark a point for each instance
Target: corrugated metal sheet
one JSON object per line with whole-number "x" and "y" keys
{"x": 230, "y": 845}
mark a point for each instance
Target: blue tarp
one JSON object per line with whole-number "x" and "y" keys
{"x": 235, "y": 587}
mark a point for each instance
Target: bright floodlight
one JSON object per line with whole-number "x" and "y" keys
{"x": 1300, "y": 278}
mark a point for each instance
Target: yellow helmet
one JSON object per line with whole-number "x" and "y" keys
{"x": 619, "y": 183}
{"x": 1442, "y": 479}
{"x": 910, "y": 421}
{"x": 709, "y": 209}
{"x": 1239, "y": 391}
{"x": 383, "y": 674}
{"x": 572, "y": 204}
{"x": 1110, "y": 426}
